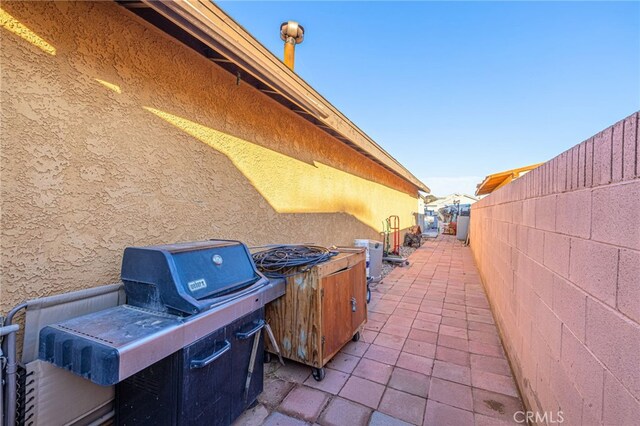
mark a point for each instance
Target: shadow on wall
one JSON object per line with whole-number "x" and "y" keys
{"x": 87, "y": 170}
{"x": 293, "y": 186}
{"x": 288, "y": 184}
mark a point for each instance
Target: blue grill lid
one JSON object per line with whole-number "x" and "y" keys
{"x": 184, "y": 277}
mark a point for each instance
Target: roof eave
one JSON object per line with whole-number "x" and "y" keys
{"x": 212, "y": 26}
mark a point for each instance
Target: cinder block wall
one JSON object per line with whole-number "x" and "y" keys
{"x": 559, "y": 254}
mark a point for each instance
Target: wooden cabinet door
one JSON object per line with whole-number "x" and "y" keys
{"x": 336, "y": 311}
{"x": 358, "y": 279}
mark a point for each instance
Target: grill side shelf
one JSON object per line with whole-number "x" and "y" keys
{"x": 108, "y": 346}
{"x": 90, "y": 345}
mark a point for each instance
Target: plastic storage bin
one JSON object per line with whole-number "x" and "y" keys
{"x": 374, "y": 258}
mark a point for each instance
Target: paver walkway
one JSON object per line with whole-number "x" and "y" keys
{"x": 429, "y": 354}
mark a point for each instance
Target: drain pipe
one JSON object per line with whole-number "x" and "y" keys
{"x": 11, "y": 369}
{"x": 291, "y": 33}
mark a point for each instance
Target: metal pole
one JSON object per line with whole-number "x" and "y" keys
{"x": 289, "y": 52}
{"x": 8, "y": 320}
{"x": 10, "y": 418}
{"x": 9, "y": 348}
{"x": 291, "y": 33}
{"x": 11, "y": 370}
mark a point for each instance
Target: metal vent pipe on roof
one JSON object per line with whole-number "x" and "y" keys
{"x": 291, "y": 33}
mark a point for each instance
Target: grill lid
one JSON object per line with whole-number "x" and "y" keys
{"x": 186, "y": 278}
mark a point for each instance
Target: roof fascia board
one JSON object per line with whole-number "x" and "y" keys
{"x": 208, "y": 23}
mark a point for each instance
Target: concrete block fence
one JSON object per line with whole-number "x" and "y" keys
{"x": 559, "y": 254}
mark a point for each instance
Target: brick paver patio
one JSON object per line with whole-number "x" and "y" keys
{"x": 430, "y": 354}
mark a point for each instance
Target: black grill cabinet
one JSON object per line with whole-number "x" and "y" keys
{"x": 174, "y": 391}
{"x": 179, "y": 350}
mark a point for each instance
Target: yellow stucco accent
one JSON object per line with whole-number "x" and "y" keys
{"x": 293, "y": 186}
{"x": 14, "y": 26}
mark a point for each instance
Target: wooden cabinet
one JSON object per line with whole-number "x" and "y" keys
{"x": 321, "y": 311}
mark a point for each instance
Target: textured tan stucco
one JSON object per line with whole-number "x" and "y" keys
{"x": 96, "y": 156}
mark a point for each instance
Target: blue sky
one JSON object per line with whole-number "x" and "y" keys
{"x": 459, "y": 90}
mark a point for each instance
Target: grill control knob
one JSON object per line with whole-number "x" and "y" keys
{"x": 217, "y": 259}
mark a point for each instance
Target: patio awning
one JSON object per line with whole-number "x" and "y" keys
{"x": 497, "y": 180}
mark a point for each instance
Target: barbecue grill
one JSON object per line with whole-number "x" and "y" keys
{"x": 182, "y": 347}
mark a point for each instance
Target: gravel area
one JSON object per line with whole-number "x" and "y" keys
{"x": 386, "y": 268}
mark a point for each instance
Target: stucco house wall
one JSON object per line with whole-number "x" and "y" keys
{"x": 114, "y": 134}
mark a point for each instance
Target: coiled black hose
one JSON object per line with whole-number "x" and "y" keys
{"x": 284, "y": 261}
